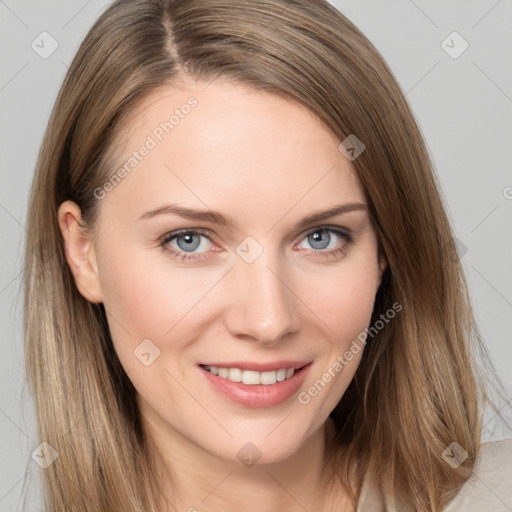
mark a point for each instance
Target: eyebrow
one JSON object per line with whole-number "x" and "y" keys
{"x": 217, "y": 218}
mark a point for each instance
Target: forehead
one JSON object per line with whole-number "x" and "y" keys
{"x": 228, "y": 144}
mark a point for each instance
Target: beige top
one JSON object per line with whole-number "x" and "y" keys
{"x": 489, "y": 488}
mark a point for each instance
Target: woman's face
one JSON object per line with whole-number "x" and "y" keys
{"x": 262, "y": 289}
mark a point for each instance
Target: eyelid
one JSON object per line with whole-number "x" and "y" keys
{"x": 344, "y": 233}
{"x": 208, "y": 234}
{"x": 172, "y": 235}
{"x": 183, "y": 231}
{"x": 328, "y": 227}
{"x": 183, "y": 255}
{"x": 165, "y": 240}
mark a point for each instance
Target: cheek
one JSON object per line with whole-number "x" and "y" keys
{"x": 344, "y": 298}
{"x": 344, "y": 303}
{"x": 147, "y": 300}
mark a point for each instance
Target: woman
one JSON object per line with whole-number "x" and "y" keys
{"x": 240, "y": 279}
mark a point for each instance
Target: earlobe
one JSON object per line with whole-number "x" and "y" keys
{"x": 80, "y": 251}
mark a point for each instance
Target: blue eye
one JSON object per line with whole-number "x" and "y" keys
{"x": 183, "y": 244}
{"x": 187, "y": 242}
{"x": 325, "y": 244}
{"x": 190, "y": 242}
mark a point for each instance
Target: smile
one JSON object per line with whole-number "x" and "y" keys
{"x": 251, "y": 377}
{"x": 252, "y": 388}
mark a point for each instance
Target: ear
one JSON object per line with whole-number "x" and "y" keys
{"x": 79, "y": 250}
{"x": 383, "y": 263}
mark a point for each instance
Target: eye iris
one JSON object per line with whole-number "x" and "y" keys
{"x": 190, "y": 245}
{"x": 320, "y": 237}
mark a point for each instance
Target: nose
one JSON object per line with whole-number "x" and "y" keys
{"x": 263, "y": 306}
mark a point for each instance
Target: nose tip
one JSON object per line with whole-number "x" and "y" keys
{"x": 264, "y": 308}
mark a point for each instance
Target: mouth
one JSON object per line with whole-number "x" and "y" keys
{"x": 253, "y": 377}
{"x": 247, "y": 387}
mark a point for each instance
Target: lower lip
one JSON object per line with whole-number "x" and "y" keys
{"x": 258, "y": 395}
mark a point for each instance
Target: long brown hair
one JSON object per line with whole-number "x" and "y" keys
{"x": 418, "y": 388}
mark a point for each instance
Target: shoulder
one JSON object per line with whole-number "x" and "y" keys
{"x": 490, "y": 485}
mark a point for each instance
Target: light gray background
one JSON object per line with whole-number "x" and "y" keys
{"x": 463, "y": 106}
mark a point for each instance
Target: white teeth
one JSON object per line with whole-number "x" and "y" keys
{"x": 251, "y": 377}
{"x": 281, "y": 374}
{"x": 235, "y": 374}
{"x": 268, "y": 377}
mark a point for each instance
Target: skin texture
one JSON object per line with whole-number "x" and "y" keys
{"x": 266, "y": 162}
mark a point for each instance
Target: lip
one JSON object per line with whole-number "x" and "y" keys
{"x": 259, "y": 395}
{"x": 259, "y": 367}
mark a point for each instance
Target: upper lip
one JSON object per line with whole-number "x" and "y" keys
{"x": 257, "y": 366}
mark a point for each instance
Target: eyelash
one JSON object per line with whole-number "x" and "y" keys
{"x": 183, "y": 256}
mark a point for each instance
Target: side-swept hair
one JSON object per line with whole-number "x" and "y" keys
{"x": 418, "y": 387}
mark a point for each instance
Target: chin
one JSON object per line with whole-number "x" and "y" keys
{"x": 261, "y": 448}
